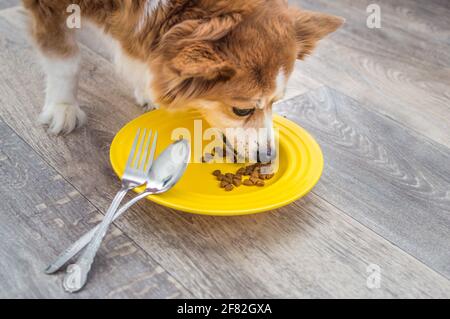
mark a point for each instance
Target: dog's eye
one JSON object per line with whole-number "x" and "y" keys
{"x": 243, "y": 112}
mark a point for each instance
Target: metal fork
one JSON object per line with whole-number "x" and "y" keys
{"x": 136, "y": 172}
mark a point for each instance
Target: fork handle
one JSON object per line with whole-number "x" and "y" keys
{"x": 76, "y": 247}
{"x": 77, "y": 273}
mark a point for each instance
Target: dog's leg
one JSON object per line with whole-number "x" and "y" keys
{"x": 61, "y": 62}
{"x": 137, "y": 74}
{"x": 61, "y": 111}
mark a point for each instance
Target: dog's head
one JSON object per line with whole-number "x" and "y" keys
{"x": 235, "y": 64}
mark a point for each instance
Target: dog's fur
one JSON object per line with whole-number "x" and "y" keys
{"x": 211, "y": 54}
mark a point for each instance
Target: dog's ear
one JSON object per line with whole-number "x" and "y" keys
{"x": 200, "y": 60}
{"x": 190, "y": 46}
{"x": 310, "y": 27}
{"x": 197, "y": 30}
{"x": 207, "y": 29}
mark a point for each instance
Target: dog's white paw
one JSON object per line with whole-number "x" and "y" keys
{"x": 62, "y": 117}
{"x": 145, "y": 102}
{"x": 149, "y": 106}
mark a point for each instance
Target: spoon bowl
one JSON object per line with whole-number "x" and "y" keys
{"x": 170, "y": 166}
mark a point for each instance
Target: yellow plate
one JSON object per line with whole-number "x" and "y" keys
{"x": 198, "y": 192}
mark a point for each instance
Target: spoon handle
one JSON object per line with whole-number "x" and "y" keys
{"x": 77, "y": 273}
{"x": 76, "y": 247}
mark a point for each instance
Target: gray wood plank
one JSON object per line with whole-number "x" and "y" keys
{"x": 8, "y": 3}
{"x": 405, "y": 25}
{"x": 397, "y": 70}
{"x": 309, "y": 249}
{"x": 390, "y": 179}
{"x": 40, "y": 214}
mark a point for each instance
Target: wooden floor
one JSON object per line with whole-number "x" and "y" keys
{"x": 378, "y": 102}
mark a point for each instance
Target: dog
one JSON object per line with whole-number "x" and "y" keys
{"x": 229, "y": 59}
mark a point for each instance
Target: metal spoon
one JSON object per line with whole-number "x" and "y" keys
{"x": 166, "y": 171}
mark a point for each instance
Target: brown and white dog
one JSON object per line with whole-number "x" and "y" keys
{"x": 231, "y": 59}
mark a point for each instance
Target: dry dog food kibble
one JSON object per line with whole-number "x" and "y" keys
{"x": 260, "y": 183}
{"x": 248, "y": 182}
{"x": 224, "y": 184}
{"x": 252, "y": 173}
